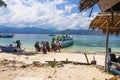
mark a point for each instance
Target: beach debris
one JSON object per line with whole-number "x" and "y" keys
{"x": 26, "y": 57}
{"x": 3, "y": 70}
{"x": 94, "y": 62}
{"x": 38, "y": 64}
{"x": 55, "y": 64}
{"x": 66, "y": 59}
{"x": 49, "y": 76}
{"x": 100, "y": 67}
{"x": 54, "y": 60}
{"x": 94, "y": 79}
{"x": 115, "y": 78}
{"x": 20, "y": 64}
{"x": 24, "y": 66}
{"x": 28, "y": 78}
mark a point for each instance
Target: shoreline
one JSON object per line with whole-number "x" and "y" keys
{"x": 77, "y": 52}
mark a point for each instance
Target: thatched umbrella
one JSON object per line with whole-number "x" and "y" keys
{"x": 108, "y": 22}
{"x": 101, "y": 22}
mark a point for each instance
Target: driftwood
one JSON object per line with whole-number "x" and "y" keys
{"x": 72, "y": 62}
{"x": 86, "y": 58}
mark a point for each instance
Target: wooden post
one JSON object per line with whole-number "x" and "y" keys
{"x": 107, "y": 41}
{"x": 86, "y": 58}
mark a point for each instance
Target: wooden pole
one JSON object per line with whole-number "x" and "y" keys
{"x": 107, "y": 41}
{"x": 86, "y": 58}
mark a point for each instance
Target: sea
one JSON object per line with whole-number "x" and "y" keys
{"x": 82, "y": 43}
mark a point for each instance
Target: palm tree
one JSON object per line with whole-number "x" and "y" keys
{"x": 2, "y": 3}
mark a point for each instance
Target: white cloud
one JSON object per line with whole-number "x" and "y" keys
{"x": 68, "y": 8}
{"x": 28, "y": 13}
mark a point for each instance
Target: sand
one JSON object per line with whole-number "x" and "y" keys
{"x": 65, "y": 72}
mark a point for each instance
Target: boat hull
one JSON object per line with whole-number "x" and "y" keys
{"x": 8, "y": 49}
{"x": 66, "y": 43}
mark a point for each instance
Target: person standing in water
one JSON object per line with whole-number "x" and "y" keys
{"x": 37, "y": 47}
{"x": 47, "y": 46}
{"x": 18, "y": 45}
{"x": 58, "y": 45}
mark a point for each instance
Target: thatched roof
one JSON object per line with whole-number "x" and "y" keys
{"x": 105, "y": 5}
{"x": 86, "y": 4}
{"x": 101, "y": 22}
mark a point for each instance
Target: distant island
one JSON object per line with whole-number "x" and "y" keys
{"x": 34, "y": 30}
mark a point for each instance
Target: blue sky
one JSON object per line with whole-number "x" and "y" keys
{"x": 58, "y": 14}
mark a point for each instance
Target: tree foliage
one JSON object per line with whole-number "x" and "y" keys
{"x": 2, "y": 3}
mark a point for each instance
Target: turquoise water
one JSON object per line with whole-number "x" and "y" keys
{"x": 85, "y": 43}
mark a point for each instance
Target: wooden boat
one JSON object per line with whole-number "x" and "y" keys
{"x": 3, "y": 35}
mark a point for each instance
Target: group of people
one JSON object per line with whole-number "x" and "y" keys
{"x": 42, "y": 46}
{"x": 45, "y": 47}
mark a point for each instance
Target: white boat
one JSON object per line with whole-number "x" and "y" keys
{"x": 65, "y": 40}
{"x": 3, "y": 35}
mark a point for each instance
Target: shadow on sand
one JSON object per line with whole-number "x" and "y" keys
{"x": 28, "y": 53}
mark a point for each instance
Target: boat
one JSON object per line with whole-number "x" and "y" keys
{"x": 51, "y": 34}
{"x": 3, "y": 35}
{"x": 65, "y": 40}
{"x": 8, "y": 48}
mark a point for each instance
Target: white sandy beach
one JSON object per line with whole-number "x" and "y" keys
{"x": 66, "y": 72}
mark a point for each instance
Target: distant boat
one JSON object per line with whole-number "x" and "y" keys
{"x": 51, "y": 34}
{"x": 65, "y": 40}
{"x": 3, "y": 35}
